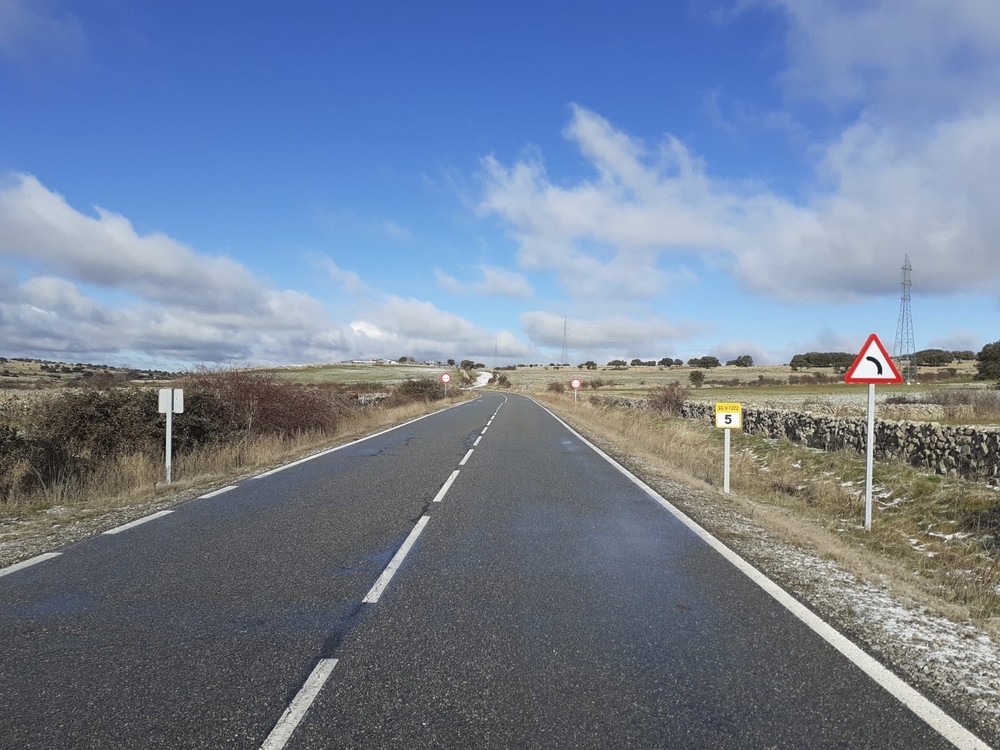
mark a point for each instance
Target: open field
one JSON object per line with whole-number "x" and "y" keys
{"x": 361, "y": 373}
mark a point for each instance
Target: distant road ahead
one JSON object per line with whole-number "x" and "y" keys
{"x": 544, "y": 600}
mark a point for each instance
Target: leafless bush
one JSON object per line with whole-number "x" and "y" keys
{"x": 981, "y": 403}
{"x": 556, "y": 387}
{"x": 668, "y": 398}
{"x": 420, "y": 389}
{"x": 256, "y": 402}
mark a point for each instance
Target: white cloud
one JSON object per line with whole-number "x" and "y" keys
{"x": 34, "y": 29}
{"x": 611, "y": 336}
{"x": 495, "y": 282}
{"x": 182, "y": 307}
{"x": 348, "y": 280}
{"x": 886, "y": 192}
{"x": 396, "y": 232}
{"x": 915, "y": 54}
{"x": 39, "y": 225}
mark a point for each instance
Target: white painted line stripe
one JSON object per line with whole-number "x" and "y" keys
{"x": 488, "y": 423}
{"x": 300, "y": 704}
{"x": 466, "y": 458}
{"x": 484, "y": 431}
{"x": 477, "y": 441}
{"x": 446, "y": 486}
{"x": 28, "y": 563}
{"x": 139, "y": 522}
{"x": 354, "y": 442}
{"x": 218, "y": 492}
{"x": 937, "y": 719}
{"x": 383, "y": 580}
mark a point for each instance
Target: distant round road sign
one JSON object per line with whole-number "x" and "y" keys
{"x": 575, "y": 383}
{"x": 446, "y": 377}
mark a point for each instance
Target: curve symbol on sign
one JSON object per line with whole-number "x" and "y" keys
{"x": 875, "y": 362}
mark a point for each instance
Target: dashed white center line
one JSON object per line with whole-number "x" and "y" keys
{"x": 28, "y": 563}
{"x": 466, "y": 458}
{"x": 383, "y": 580}
{"x": 446, "y": 486}
{"x": 133, "y": 524}
{"x": 300, "y": 704}
{"x": 484, "y": 431}
{"x": 477, "y": 441}
{"x": 218, "y": 492}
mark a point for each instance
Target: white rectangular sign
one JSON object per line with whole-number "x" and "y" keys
{"x": 172, "y": 400}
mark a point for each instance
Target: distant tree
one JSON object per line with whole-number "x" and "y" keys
{"x": 744, "y": 360}
{"x": 401, "y": 360}
{"x": 822, "y": 359}
{"x": 988, "y": 362}
{"x": 451, "y": 362}
{"x": 665, "y": 362}
{"x": 933, "y": 358}
{"x": 635, "y": 362}
{"x": 706, "y": 362}
{"x": 697, "y": 378}
{"x": 467, "y": 364}
{"x": 618, "y": 363}
{"x": 964, "y": 355}
{"x": 678, "y": 362}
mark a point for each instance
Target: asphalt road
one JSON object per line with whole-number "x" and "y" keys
{"x": 544, "y": 601}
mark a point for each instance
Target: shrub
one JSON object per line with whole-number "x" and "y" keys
{"x": 697, "y": 378}
{"x": 556, "y": 387}
{"x": 668, "y": 398}
{"x": 420, "y": 389}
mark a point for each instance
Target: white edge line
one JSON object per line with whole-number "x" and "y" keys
{"x": 446, "y": 486}
{"x": 300, "y": 704}
{"x": 477, "y": 441}
{"x": 390, "y": 570}
{"x": 466, "y": 457}
{"x": 138, "y": 522}
{"x": 28, "y": 563}
{"x": 218, "y": 492}
{"x": 934, "y": 716}
{"x": 355, "y": 442}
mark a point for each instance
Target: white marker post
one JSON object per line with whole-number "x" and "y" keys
{"x": 873, "y": 365}
{"x": 575, "y": 385}
{"x": 728, "y": 416}
{"x": 171, "y": 402}
{"x": 446, "y": 378}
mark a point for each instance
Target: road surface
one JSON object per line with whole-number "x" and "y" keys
{"x": 479, "y": 578}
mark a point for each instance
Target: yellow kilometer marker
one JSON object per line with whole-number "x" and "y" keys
{"x": 728, "y": 416}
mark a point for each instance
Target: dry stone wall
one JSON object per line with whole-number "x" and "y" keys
{"x": 970, "y": 452}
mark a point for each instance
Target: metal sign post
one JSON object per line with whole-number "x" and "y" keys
{"x": 728, "y": 416}
{"x": 171, "y": 402}
{"x": 873, "y": 365}
{"x": 446, "y": 378}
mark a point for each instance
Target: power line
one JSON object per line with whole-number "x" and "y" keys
{"x": 903, "y": 349}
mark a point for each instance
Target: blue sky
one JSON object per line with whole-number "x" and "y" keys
{"x": 306, "y": 182}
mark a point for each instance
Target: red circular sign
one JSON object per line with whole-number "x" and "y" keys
{"x": 445, "y": 377}
{"x": 575, "y": 384}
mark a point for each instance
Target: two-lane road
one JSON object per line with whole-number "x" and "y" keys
{"x": 477, "y": 578}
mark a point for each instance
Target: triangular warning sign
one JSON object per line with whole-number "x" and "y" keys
{"x": 873, "y": 365}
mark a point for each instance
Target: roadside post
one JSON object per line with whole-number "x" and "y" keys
{"x": 446, "y": 378}
{"x": 171, "y": 402}
{"x": 575, "y": 385}
{"x": 873, "y": 365}
{"x": 728, "y": 416}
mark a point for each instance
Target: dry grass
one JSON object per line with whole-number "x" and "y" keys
{"x": 935, "y": 537}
